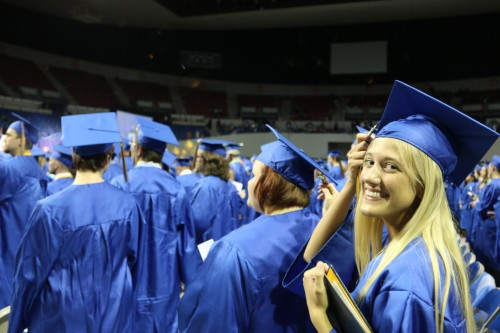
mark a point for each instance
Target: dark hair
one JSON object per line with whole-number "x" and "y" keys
{"x": 149, "y": 155}
{"x": 275, "y": 192}
{"x": 92, "y": 163}
{"x": 216, "y": 165}
{"x": 28, "y": 145}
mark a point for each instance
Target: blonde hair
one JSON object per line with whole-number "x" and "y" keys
{"x": 431, "y": 220}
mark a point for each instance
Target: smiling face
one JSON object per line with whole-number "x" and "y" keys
{"x": 387, "y": 192}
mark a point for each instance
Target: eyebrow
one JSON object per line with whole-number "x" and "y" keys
{"x": 385, "y": 158}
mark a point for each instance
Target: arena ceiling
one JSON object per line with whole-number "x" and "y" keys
{"x": 251, "y": 14}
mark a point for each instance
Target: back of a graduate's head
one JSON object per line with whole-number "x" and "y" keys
{"x": 148, "y": 155}
{"x": 215, "y": 165}
{"x": 274, "y": 192}
{"x": 93, "y": 163}
{"x": 92, "y": 137}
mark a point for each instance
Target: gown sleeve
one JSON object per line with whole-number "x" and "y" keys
{"x": 222, "y": 296}
{"x": 337, "y": 252}
{"x": 36, "y": 255}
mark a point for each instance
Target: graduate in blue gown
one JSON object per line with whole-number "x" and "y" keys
{"x": 239, "y": 174}
{"x": 22, "y": 183}
{"x": 214, "y": 200}
{"x": 183, "y": 166}
{"x": 401, "y": 175}
{"x": 189, "y": 179}
{"x": 170, "y": 254}
{"x": 466, "y": 189}
{"x": 334, "y": 164}
{"x": 76, "y": 264}
{"x": 61, "y": 166}
{"x": 238, "y": 287}
{"x": 487, "y": 248}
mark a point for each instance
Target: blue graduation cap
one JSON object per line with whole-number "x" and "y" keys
{"x": 455, "y": 141}
{"x": 169, "y": 159}
{"x": 265, "y": 146}
{"x": 213, "y": 146}
{"x": 154, "y": 136}
{"x": 321, "y": 162}
{"x": 290, "y": 162}
{"x": 233, "y": 148}
{"x": 36, "y": 151}
{"x": 90, "y": 134}
{"x": 334, "y": 153}
{"x": 63, "y": 155}
{"x": 496, "y": 162}
{"x": 184, "y": 161}
{"x": 30, "y": 130}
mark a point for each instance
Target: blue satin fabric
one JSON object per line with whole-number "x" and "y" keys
{"x": 129, "y": 163}
{"x": 467, "y": 212}
{"x": 215, "y": 205}
{"x": 75, "y": 267}
{"x": 114, "y": 170}
{"x": 170, "y": 254}
{"x": 58, "y": 185}
{"x": 402, "y": 297}
{"x": 338, "y": 252}
{"x": 22, "y": 183}
{"x": 189, "y": 181}
{"x": 476, "y": 222}
{"x": 487, "y": 248}
{"x": 238, "y": 287}
{"x": 240, "y": 175}
{"x": 335, "y": 172}
{"x": 315, "y": 205}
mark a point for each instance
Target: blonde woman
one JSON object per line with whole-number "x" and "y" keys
{"x": 418, "y": 282}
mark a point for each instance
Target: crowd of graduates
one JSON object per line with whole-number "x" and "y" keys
{"x": 107, "y": 234}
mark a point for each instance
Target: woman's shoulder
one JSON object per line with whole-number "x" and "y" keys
{"x": 411, "y": 271}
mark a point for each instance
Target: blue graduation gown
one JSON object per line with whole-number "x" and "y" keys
{"x": 336, "y": 172}
{"x": 487, "y": 248}
{"x": 338, "y": 252}
{"x": 58, "y": 185}
{"x": 114, "y": 170}
{"x": 129, "y": 163}
{"x": 452, "y": 195}
{"x": 467, "y": 212}
{"x": 238, "y": 287}
{"x": 477, "y": 219}
{"x": 215, "y": 205}
{"x": 75, "y": 267}
{"x": 170, "y": 254}
{"x": 241, "y": 176}
{"x": 402, "y": 297}
{"x": 316, "y": 205}
{"x": 189, "y": 181}
{"x": 22, "y": 183}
